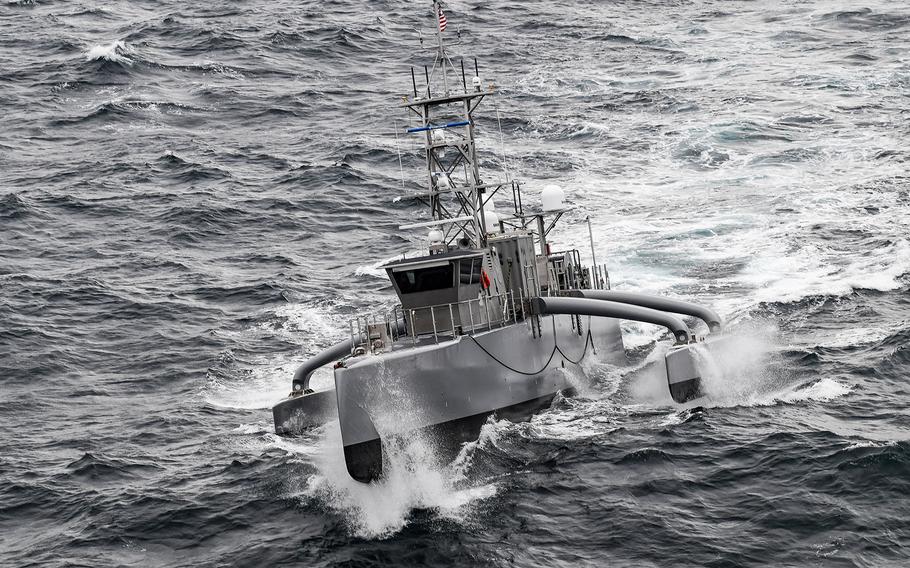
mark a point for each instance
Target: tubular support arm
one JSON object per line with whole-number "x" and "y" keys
{"x": 707, "y": 315}
{"x": 608, "y": 309}
{"x": 326, "y": 356}
{"x": 338, "y": 351}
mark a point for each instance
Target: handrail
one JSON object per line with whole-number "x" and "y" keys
{"x": 577, "y": 275}
{"x": 301, "y": 382}
{"x": 484, "y": 318}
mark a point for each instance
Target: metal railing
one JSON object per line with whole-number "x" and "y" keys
{"x": 375, "y": 332}
{"x": 566, "y": 272}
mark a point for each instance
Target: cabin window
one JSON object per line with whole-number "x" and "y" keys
{"x": 470, "y": 270}
{"x": 425, "y": 279}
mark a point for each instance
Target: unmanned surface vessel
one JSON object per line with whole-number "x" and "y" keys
{"x": 488, "y": 318}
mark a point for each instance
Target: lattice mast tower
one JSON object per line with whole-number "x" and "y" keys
{"x": 444, "y": 107}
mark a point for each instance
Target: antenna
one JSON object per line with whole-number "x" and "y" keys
{"x": 398, "y": 147}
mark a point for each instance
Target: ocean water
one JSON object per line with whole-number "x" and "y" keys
{"x": 194, "y": 197}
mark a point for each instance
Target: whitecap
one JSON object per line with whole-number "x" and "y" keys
{"x": 821, "y": 390}
{"x": 115, "y": 51}
{"x": 871, "y": 444}
{"x": 411, "y": 481}
{"x": 259, "y": 389}
{"x": 856, "y": 336}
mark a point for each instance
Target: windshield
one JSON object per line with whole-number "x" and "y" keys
{"x": 425, "y": 279}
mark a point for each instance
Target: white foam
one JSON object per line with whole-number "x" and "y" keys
{"x": 585, "y": 420}
{"x": 251, "y": 429}
{"x": 782, "y": 275}
{"x": 258, "y": 389}
{"x": 648, "y": 382}
{"x": 736, "y": 371}
{"x": 744, "y": 371}
{"x": 673, "y": 419}
{"x": 316, "y": 322}
{"x": 269, "y": 381}
{"x": 115, "y": 51}
{"x": 872, "y": 444}
{"x": 822, "y": 390}
{"x": 410, "y": 482}
{"x": 488, "y": 437}
{"x": 257, "y": 438}
{"x": 855, "y": 336}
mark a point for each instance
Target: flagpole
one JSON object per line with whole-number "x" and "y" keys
{"x": 442, "y": 54}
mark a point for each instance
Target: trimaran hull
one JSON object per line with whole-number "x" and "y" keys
{"x": 445, "y": 391}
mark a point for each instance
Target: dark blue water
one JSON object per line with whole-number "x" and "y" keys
{"x": 195, "y": 196}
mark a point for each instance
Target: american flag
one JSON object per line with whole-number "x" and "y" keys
{"x": 442, "y": 20}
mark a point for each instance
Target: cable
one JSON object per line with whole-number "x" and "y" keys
{"x": 493, "y": 357}
{"x": 589, "y": 340}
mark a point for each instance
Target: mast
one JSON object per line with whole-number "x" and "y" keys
{"x": 455, "y": 189}
{"x": 441, "y": 55}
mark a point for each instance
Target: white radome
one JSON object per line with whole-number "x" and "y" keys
{"x": 492, "y": 220}
{"x": 552, "y": 198}
{"x": 435, "y": 237}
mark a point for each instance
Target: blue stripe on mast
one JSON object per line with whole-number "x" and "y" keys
{"x": 432, "y": 127}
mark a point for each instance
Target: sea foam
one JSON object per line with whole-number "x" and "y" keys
{"x": 115, "y": 51}
{"x": 411, "y": 481}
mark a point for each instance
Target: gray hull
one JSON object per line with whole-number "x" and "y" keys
{"x": 454, "y": 385}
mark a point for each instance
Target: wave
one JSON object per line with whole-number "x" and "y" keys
{"x": 745, "y": 368}
{"x": 259, "y": 294}
{"x": 865, "y": 19}
{"x": 15, "y": 206}
{"x": 262, "y": 381}
{"x": 116, "y": 52}
{"x": 821, "y": 390}
{"x": 751, "y": 371}
{"x": 779, "y": 277}
{"x": 183, "y": 170}
{"x": 100, "y": 468}
{"x": 766, "y": 179}
{"x": 413, "y": 481}
{"x": 875, "y": 469}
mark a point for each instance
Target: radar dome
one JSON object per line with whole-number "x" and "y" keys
{"x": 552, "y": 198}
{"x": 492, "y": 221}
{"x": 435, "y": 236}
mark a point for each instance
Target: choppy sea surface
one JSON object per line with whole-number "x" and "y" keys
{"x": 195, "y": 196}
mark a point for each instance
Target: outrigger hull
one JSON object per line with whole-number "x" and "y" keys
{"x": 447, "y": 390}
